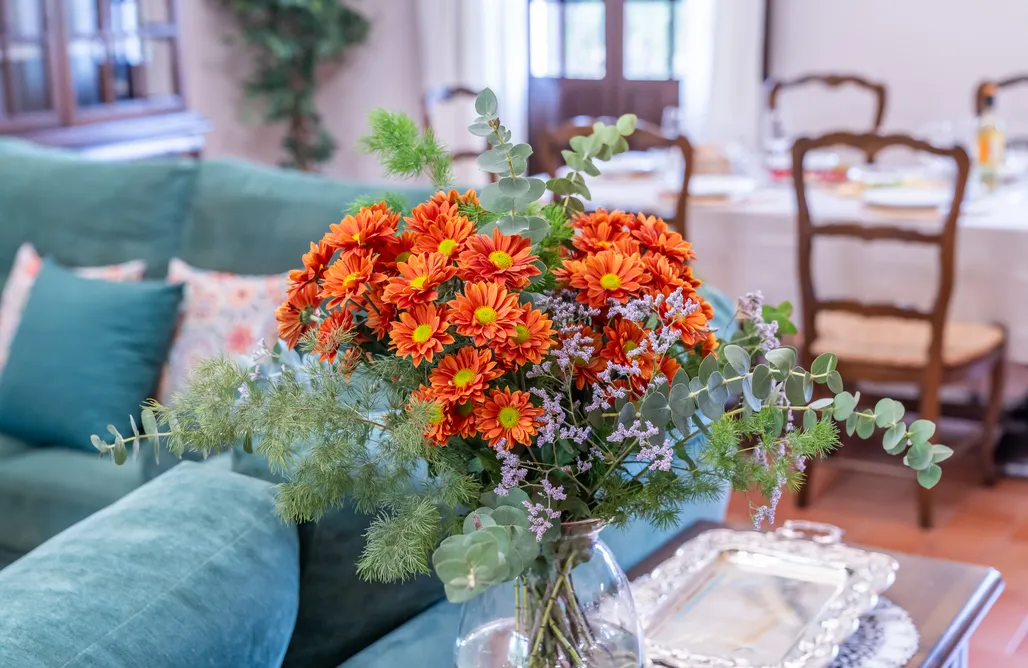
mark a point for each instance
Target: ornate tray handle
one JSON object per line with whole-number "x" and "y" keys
{"x": 819, "y": 532}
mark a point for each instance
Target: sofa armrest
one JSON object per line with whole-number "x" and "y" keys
{"x": 193, "y": 568}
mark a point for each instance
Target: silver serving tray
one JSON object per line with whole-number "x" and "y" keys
{"x": 734, "y": 599}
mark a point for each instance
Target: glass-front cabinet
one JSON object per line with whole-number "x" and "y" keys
{"x": 104, "y": 76}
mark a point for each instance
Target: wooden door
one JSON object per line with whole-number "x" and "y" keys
{"x": 602, "y": 58}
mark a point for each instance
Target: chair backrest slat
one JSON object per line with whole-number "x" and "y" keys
{"x": 944, "y": 240}
{"x": 440, "y": 95}
{"x": 646, "y": 136}
{"x": 776, "y": 86}
{"x": 981, "y": 94}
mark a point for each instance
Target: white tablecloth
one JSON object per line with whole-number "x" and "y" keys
{"x": 751, "y": 245}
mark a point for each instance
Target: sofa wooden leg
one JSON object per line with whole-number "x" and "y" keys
{"x": 990, "y": 424}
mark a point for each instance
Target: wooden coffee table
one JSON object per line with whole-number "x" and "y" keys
{"x": 945, "y": 599}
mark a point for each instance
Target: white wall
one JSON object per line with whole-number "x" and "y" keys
{"x": 931, "y": 54}
{"x": 382, "y": 72}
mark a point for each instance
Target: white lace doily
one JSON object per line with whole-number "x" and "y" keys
{"x": 886, "y": 638}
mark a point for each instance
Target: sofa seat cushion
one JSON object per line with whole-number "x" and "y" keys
{"x": 250, "y": 219}
{"x": 11, "y": 446}
{"x": 192, "y": 569}
{"x": 43, "y": 491}
{"x": 85, "y": 212}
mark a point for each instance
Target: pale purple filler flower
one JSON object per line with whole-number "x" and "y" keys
{"x": 511, "y": 473}
{"x": 540, "y": 517}
{"x": 660, "y": 457}
{"x": 555, "y": 493}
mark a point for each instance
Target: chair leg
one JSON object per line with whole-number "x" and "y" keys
{"x": 803, "y": 496}
{"x": 990, "y": 425}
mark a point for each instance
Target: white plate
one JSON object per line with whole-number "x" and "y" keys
{"x": 908, "y": 198}
{"x": 720, "y": 185}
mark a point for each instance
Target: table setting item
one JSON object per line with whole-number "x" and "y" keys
{"x": 787, "y": 598}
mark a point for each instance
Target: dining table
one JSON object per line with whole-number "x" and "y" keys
{"x": 745, "y": 240}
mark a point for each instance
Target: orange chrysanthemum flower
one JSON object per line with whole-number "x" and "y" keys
{"x": 315, "y": 262}
{"x": 453, "y": 197}
{"x": 438, "y": 429}
{"x": 295, "y": 315}
{"x": 600, "y": 230}
{"x": 420, "y": 333}
{"x": 380, "y": 314}
{"x": 398, "y": 249}
{"x": 568, "y": 270}
{"x": 653, "y": 234}
{"x": 587, "y": 371}
{"x": 447, "y": 236}
{"x": 349, "y": 277}
{"x": 508, "y": 416}
{"x": 486, "y": 312}
{"x": 663, "y": 274}
{"x": 331, "y": 334}
{"x": 369, "y": 231}
{"x": 419, "y": 277}
{"x": 608, "y": 275}
{"x": 533, "y": 336}
{"x": 463, "y": 421}
{"x": 463, "y": 376}
{"x": 694, "y": 327}
{"x": 623, "y": 337}
{"x": 710, "y": 344}
{"x": 501, "y": 258}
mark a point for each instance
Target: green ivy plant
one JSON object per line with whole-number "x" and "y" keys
{"x": 291, "y": 40}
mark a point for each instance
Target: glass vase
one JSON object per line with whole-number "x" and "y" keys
{"x": 571, "y": 608}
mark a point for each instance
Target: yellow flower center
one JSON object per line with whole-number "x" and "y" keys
{"x": 610, "y": 281}
{"x": 463, "y": 377}
{"x": 465, "y": 409}
{"x": 350, "y": 279}
{"x": 357, "y": 237}
{"x": 435, "y": 414}
{"x": 629, "y": 346}
{"x": 418, "y": 282}
{"x": 485, "y": 315}
{"x": 446, "y": 246}
{"x": 521, "y": 334}
{"x": 603, "y": 244}
{"x": 421, "y": 333}
{"x": 501, "y": 260}
{"x": 403, "y": 257}
{"x": 509, "y": 417}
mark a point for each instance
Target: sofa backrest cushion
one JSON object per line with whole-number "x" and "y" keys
{"x": 191, "y": 569}
{"x": 85, "y": 212}
{"x": 250, "y": 219}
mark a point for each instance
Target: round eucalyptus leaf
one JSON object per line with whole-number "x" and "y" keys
{"x": 894, "y": 440}
{"x": 538, "y": 228}
{"x": 808, "y": 387}
{"x": 451, "y": 569}
{"x": 761, "y": 385}
{"x": 492, "y": 199}
{"x": 480, "y": 129}
{"x": 98, "y": 443}
{"x": 514, "y": 186}
{"x": 794, "y": 390}
{"x": 747, "y": 394}
{"x": 483, "y": 521}
{"x": 921, "y": 431}
{"x": 707, "y": 367}
{"x": 919, "y": 456}
{"x": 620, "y": 146}
{"x": 536, "y": 188}
{"x": 520, "y": 151}
{"x": 941, "y": 453}
{"x": 655, "y": 410}
{"x": 844, "y": 405}
{"x": 865, "y": 426}
{"x": 821, "y": 404}
{"x": 835, "y": 382}
{"x": 486, "y": 103}
{"x": 930, "y": 476}
{"x": 738, "y": 358}
{"x": 824, "y": 364}
{"x": 888, "y": 412}
{"x": 782, "y": 360}
{"x": 809, "y": 419}
{"x": 710, "y": 408}
{"x": 560, "y": 186}
{"x": 626, "y": 124}
{"x": 581, "y": 145}
{"x": 502, "y": 537}
{"x": 462, "y": 594}
{"x": 628, "y": 415}
{"x": 510, "y": 516}
{"x": 525, "y": 544}
{"x": 851, "y": 424}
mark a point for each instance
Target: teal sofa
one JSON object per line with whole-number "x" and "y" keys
{"x": 239, "y": 218}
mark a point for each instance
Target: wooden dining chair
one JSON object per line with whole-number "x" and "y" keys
{"x": 646, "y": 136}
{"x": 981, "y": 92}
{"x": 885, "y": 343}
{"x": 441, "y": 95}
{"x": 776, "y": 86}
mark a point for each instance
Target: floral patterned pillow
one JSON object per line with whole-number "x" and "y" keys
{"x": 27, "y": 264}
{"x": 221, "y": 313}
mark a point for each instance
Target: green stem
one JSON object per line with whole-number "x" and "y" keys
{"x": 567, "y": 645}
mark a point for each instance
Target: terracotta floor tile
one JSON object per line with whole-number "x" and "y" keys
{"x": 1002, "y": 630}
{"x": 987, "y": 658}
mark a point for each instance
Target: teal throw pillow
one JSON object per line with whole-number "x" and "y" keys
{"x": 87, "y": 354}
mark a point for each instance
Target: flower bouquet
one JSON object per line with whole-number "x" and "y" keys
{"x": 497, "y": 379}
